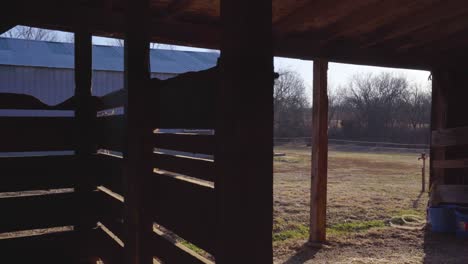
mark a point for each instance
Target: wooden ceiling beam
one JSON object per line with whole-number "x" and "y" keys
{"x": 343, "y": 52}
{"x": 438, "y": 32}
{"x": 366, "y": 20}
{"x": 102, "y": 22}
{"x": 318, "y": 13}
{"x": 440, "y": 11}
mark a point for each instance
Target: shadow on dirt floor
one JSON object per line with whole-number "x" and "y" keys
{"x": 445, "y": 248}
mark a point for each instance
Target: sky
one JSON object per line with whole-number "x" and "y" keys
{"x": 338, "y": 73}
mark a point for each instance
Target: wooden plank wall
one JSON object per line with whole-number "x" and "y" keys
{"x": 57, "y": 192}
{"x": 449, "y": 147}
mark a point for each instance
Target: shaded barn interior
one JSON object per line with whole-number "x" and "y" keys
{"x": 119, "y": 197}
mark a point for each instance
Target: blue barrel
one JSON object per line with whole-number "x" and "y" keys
{"x": 442, "y": 218}
{"x": 461, "y": 216}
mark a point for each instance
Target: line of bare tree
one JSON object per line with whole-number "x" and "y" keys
{"x": 373, "y": 107}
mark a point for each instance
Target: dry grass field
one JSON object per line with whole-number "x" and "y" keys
{"x": 367, "y": 188}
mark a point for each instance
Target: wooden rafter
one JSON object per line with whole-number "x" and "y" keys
{"x": 322, "y": 12}
{"x": 438, "y": 12}
{"x": 362, "y": 21}
{"x": 437, "y": 32}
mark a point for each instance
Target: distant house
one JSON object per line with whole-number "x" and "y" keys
{"x": 46, "y": 69}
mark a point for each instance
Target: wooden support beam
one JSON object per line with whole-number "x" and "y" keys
{"x": 440, "y": 83}
{"x": 318, "y": 189}
{"x": 244, "y": 180}
{"x": 85, "y": 148}
{"x": 136, "y": 79}
{"x": 85, "y": 113}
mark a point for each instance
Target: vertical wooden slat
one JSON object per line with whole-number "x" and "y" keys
{"x": 318, "y": 189}
{"x": 438, "y": 121}
{"x": 244, "y": 180}
{"x": 85, "y": 123}
{"x": 137, "y": 75}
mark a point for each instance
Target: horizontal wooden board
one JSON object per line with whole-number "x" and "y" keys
{"x": 174, "y": 103}
{"x": 197, "y": 168}
{"x": 454, "y": 194}
{"x": 112, "y": 100}
{"x": 21, "y": 134}
{"x": 116, "y": 226}
{"x": 107, "y": 249}
{"x": 109, "y": 170}
{"x": 57, "y": 248}
{"x": 203, "y": 144}
{"x": 168, "y": 119}
{"x": 37, "y": 173}
{"x": 39, "y": 211}
{"x": 450, "y": 164}
{"x": 169, "y": 251}
{"x": 111, "y": 132}
{"x": 450, "y": 137}
{"x": 108, "y": 206}
{"x": 184, "y": 208}
{"x": 24, "y": 101}
{"x": 84, "y": 247}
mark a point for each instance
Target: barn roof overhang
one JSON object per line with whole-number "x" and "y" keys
{"x": 418, "y": 34}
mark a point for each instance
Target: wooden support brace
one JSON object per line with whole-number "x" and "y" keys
{"x": 318, "y": 189}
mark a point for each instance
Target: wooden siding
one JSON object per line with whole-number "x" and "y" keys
{"x": 53, "y": 85}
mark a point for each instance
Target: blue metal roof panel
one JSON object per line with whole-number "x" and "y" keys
{"x": 32, "y": 53}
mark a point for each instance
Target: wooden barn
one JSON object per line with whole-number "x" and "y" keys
{"x": 126, "y": 209}
{"x": 45, "y": 69}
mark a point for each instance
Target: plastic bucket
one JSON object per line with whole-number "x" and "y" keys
{"x": 442, "y": 218}
{"x": 462, "y": 223}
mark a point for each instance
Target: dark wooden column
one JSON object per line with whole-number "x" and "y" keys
{"x": 318, "y": 189}
{"x": 440, "y": 81}
{"x": 137, "y": 75}
{"x": 244, "y": 134}
{"x": 85, "y": 148}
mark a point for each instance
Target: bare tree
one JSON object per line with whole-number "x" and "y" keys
{"x": 31, "y": 33}
{"x": 335, "y": 103}
{"x": 418, "y": 106}
{"x": 290, "y": 102}
{"x": 375, "y": 100}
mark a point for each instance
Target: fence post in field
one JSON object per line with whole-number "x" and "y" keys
{"x": 423, "y": 171}
{"x": 318, "y": 188}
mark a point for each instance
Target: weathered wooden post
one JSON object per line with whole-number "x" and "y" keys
{"x": 439, "y": 110}
{"x": 85, "y": 148}
{"x": 136, "y": 77}
{"x": 423, "y": 171}
{"x": 244, "y": 182}
{"x": 318, "y": 189}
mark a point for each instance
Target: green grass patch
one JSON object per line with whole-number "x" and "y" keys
{"x": 290, "y": 159}
{"x": 356, "y": 226}
{"x": 410, "y": 212}
{"x": 194, "y": 248}
{"x": 299, "y": 231}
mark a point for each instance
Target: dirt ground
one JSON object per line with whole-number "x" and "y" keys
{"x": 367, "y": 190}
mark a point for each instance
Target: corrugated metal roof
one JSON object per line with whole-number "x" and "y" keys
{"x": 33, "y": 53}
